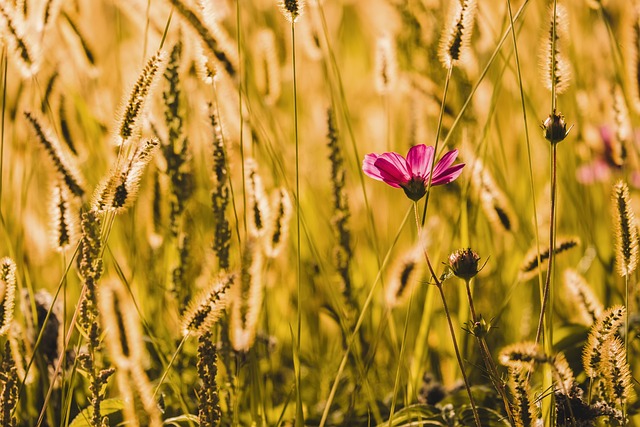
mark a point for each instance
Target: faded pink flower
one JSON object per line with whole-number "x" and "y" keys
{"x": 412, "y": 174}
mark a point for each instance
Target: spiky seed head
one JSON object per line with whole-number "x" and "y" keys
{"x": 258, "y": 203}
{"x": 554, "y": 128}
{"x": 386, "y": 65}
{"x": 606, "y": 326}
{"x": 531, "y": 264}
{"x": 405, "y": 273}
{"x": 555, "y": 66}
{"x": 291, "y": 9}
{"x": 247, "y": 295}
{"x": 464, "y": 263}
{"x": 276, "y": 237}
{"x": 7, "y": 293}
{"x": 585, "y": 298}
{"x": 626, "y": 230}
{"x": 524, "y": 353}
{"x": 64, "y": 220}
{"x": 456, "y": 36}
{"x": 205, "y": 309}
{"x": 615, "y": 371}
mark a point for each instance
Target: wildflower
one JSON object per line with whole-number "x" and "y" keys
{"x": 412, "y": 173}
{"x": 555, "y": 128}
{"x": 464, "y": 263}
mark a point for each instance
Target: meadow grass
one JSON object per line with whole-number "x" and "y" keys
{"x": 190, "y": 234}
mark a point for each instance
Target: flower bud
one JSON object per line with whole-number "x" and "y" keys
{"x": 555, "y": 128}
{"x": 464, "y": 263}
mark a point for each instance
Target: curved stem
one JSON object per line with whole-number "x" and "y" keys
{"x": 448, "y": 315}
{"x": 435, "y": 148}
{"x": 552, "y": 248}
{"x": 488, "y": 360}
{"x": 356, "y": 329}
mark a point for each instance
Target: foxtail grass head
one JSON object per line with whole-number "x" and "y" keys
{"x": 291, "y": 9}
{"x": 626, "y": 230}
{"x": 386, "y": 65}
{"x": 134, "y": 107}
{"x": 456, "y": 36}
{"x": 207, "y": 308}
{"x": 7, "y": 293}
{"x": 556, "y": 70}
{"x": 405, "y": 273}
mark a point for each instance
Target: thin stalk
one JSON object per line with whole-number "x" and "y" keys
{"x": 488, "y": 360}
{"x": 526, "y": 134}
{"x": 552, "y": 236}
{"x": 435, "y": 148}
{"x": 298, "y": 234}
{"x": 242, "y": 157}
{"x": 356, "y": 329}
{"x": 548, "y": 294}
{"x": 5, "y": 62}
{"x": 438, "y": 284}
{"x": 400, "y": 364}
{"x": 168, "y": 368}
{"x": 626, "y": 334}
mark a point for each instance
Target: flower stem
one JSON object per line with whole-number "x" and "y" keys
{"x": 448, "y": 315}
{"x": 299, "y": 414}
{"x": 488, "y": 360}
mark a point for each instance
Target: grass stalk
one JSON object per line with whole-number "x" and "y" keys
{"x": 438, "y": 284}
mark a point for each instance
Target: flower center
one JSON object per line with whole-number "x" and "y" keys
{"x": 415, "y": 188}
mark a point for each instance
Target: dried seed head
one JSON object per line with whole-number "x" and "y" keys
{"x": 607, "y": 326}
{"x": 454, "y": 43}
{"x": 555, "y": 128}
{"x": 587, "y": 302}
{"x": 626, "y": 230}
{"x": 214, "y": 41}
{"x": 205, "y": 309}
{"x": 61, "y": 160}
{"x": 279, "y": 227}
{"x": 530, "y": 264}
{"x": 563, "y": 373}
{"x": 555, "y": 66}
{"x": 120, "y": 323}
{"x": 522, "y": 354}
{"x": 632, "y": 58}
{"x": 386, "y": 65}
{"x": 464, "y": 263}
{"x": 291, "y": 9}
{"x": 247, "y": 295}
{"x": 615, "y": 371}
{"x": 493, "y": 200}
{"x": 7, "y": 293}
{"x": 13, "y": 31}
{"x": 63, "y": 218}
{"x": 258, "y": 203}
{"x": 404, "y": 275}
{"x": 118, "y": 190}
{"x": 267, "y": 66}
{"x": 141, "y": 89}
{"x": 524, "y": 406}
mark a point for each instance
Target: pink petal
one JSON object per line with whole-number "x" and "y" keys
{"x": 448, "y": 175}
{"x": 419, "y": 159}
{"x": 369, "y": 168}
{"x": 393, "y": 169}
{"x": 444, "y": 163}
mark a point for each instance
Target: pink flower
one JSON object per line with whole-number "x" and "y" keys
{"x": 412, "y": 174}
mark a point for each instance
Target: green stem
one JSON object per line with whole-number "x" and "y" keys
{"x": 354, "y": 335}
{"x": 298, "y": 234}
{"x": 435, "y": 148}
{"x": 448, "y": 315}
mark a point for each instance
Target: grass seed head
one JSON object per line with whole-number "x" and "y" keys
{"x": 626, "y": 230}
